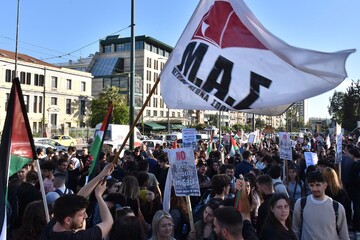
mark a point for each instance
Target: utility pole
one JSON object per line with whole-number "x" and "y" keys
{"x": 132, "y": 73}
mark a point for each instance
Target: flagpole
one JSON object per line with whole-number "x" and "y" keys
{"x": 116, "y": 157}
{"x": 17, "y": 38}
{"x": 42, "y": 190}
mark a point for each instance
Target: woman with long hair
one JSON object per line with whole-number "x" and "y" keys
{"x": 130, "y": 188}
{"x": 294, "y": 186}
{"x": 278, "y": 221}
{"x": 335, "y": 190}
{"x": 179, "y": 213}
{"x": 205, "y": 226}
{"x": 214, "y": 169}
{"x": 127, "y": 227}
{"x": 34, "y": 221}
{"x": 162, "y": 226}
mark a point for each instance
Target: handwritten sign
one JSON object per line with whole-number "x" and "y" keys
{"x": 183, "y": 171}
{"x": 189, "y": 138}
{"x": 311, "y": 158}
{"x": 338, "y": 148}
{"x": 285, "y": 146}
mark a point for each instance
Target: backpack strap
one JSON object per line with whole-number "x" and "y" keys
{"x": 58, "y": 191}
{"x": 336, "y": 209}
{"x": 277, "y": 183}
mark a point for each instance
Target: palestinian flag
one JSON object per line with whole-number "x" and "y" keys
{"x": 99, "y": 139}
{"x": 17, "y": 146}
{"x": 234, "y": 147}
{"x": 209, "y": 149}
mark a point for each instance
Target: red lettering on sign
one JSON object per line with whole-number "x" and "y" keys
{"x": 180, "y": 155}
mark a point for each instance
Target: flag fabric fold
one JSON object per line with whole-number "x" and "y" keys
{"x": 99, "y": 140}
{"x": 17, "y": 146}
{"x": 233, "y": 147}
{"x": 226, "y": 60}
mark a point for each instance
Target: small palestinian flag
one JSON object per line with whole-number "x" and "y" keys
{"x": 99, "y": 140}
{"x": 17, "y": 146}
{"x": 234, "y": 147}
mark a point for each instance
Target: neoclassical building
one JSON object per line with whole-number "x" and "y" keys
{"x": 55, "y": 97}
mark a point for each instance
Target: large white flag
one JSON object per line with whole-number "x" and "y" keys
{"x": 226, "y": 60}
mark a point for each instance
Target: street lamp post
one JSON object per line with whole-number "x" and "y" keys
{"x": 132, "y": 73}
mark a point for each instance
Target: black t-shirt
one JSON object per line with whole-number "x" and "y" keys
{"x": 93, "y": 233}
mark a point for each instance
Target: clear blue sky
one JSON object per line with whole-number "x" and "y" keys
{"x": 52, "y": 28}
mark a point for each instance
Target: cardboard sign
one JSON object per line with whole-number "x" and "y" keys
{"x": 338, "y": 148}
{"x": 189, "y": 138}
{"x": 251, "y": 138}
{"x": 183, "y": 171}
{"x": 311, "y": 158}
{"x": 285, "y": 146}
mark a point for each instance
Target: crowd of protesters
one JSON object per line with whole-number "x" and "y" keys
{"x": 123, "y": 200}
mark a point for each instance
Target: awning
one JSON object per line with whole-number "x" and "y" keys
{"x": 154, "y": 126}
{"x": 177, "y": 126}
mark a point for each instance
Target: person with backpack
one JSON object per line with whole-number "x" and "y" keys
{"x": 60, "y": 188}
{"x": 318, "y": 216}
{"x": 275, "y": 173}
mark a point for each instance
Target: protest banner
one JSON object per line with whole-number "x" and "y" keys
{"x": 338, "y": 148}
{"x": 285, "y": 146}
{"x": 189, "y": 138}
{"x": 183, "y": 171}
{"x": 311, "y": 158}
{"x": 251, "y": 138}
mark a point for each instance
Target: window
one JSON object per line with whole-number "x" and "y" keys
{"x": 54, "y": 82}
{"x": 40, "y": 104}
{"x": 35, "y": 104}
{"x": 22, "y": 77}
{"x": 53, "y": 119}
{"x": 155, "y": 102}
{"x": 28, "y": 78}
{"x": 54, "y": 101}
{"x": 148, "y": 75}
{"x": 36, "y": 79}
{"x": 83, "y": 86}
{"x": 82, "y": 107}
{"x": 148, "y": 112}
{"x": 148, "y": 62}
{"x": 161, "y": 113}
{"x": 68, "y": 106}
{"x": 8, "y": 75}
{"x": 178, "y": 114}
{"x": 162, "y": 66}
{"x": 148, "y": 88}
{"x": 34, "y": 129}
{"x": 41, "y": 80}
{"x": 26, "y": 101}
{"x": 155, "y": 113}
{"x": 68, "y": 84}
{"x": 173, "y": 114}
{"x": 156, "y": 75}
{"x": 107, "y": 49}
{"x": 7, "y": 101}
{"x": 156, "y": 64}
{"x": 139, "y": 45}
{"x": 161, "y": 103}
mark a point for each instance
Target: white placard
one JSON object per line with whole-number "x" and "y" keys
{"x": 311, "y": 158}
{"x": 189, "y": 138}
{"x": 183, "y": 171}
{"x": 338, "y": 148}
{"x": 285, "y": 146}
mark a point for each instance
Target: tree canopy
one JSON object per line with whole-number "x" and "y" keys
{"x": 344, "y": 108}
{"x": 99, "y": 107}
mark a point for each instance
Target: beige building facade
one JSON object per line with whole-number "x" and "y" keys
{"x": 56, "y": 98}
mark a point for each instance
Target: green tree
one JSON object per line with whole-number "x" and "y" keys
{"x": 99, "y": 107}
{"x": 345, "y": 107}
{"x": 259, "y": 123}
{"x": 335, "y": 108}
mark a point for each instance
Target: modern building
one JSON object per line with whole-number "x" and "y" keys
{"x": 56, "y": 98}
{"x": 111, "y": 67}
